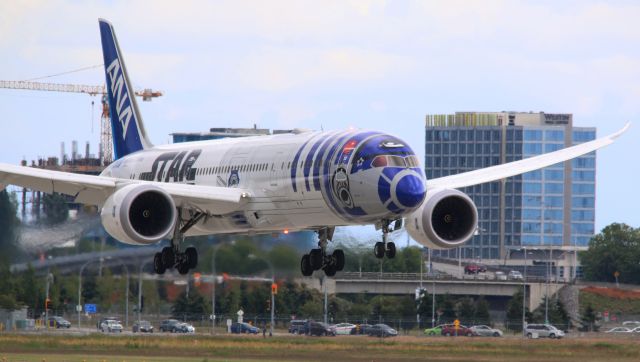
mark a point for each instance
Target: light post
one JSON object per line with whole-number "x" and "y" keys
{"x": 126, "y": 297}
{"x": 213, "y": 286}
{"x": 273, "y": 299}
{"x": 46, "y": 300}
{"x": 524, "y": 292}
{"x": 140, "y": 289}
{"x": 79, "y": 306}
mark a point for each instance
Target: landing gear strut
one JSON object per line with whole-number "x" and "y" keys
{"x": 319, "y": 258}
{"x": 384, "y": 247}
{"x": 172, "y": 256}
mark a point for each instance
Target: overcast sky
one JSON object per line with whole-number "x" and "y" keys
{"x": 331, "y": 64}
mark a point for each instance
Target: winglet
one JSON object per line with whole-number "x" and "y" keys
{"x": 620, "y": 132}
{"x": 129, "y": 134}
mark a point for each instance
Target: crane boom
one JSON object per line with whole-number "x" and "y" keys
{"x": 106, "y": 147}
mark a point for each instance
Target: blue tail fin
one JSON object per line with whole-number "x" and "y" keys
{"x": 128, "y": 131}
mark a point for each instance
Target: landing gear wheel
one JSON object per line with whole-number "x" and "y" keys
{"x": 183, "y": 268}
{"x": 391, "y": 250}
{"x": 168, "y": 257}
{"x": 330, "y": 270}
{"x": 338, "y": 256}
{"x": 158, "y": 265}
{"x": 192, "y": 257}
{"x": 315, "y": 259}
{"x": 378, "y": 250}
{"x": 305, "y": 266}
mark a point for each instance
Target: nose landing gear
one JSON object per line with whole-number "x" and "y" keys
{"x": 319, "y": 258}
{"x": 384, "y": 247}
{"x": 172, "y": 256}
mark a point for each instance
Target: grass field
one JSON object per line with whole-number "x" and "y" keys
{"x": 58, "y": 348}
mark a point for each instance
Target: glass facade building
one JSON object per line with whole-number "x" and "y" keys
{"x": 549, "y": 208}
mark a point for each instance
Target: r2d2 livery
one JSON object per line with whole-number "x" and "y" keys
{"x": 299, "y": 181}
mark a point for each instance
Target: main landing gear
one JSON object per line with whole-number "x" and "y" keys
{"x": 319, "y": 258}
{"x": 172, "y": 256}
{"x": 384, "y": 247}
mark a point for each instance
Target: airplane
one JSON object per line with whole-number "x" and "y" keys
{"x": 303, "y": 180}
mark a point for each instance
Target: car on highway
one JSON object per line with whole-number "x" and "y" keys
{"x": 101, "y": 320}
{"x": 485, "y": 331}
{"x": 185, "y": 328}
{"x": 475, "y": 268}
{"x": 543, "y": 331}
{"x": 298, "y": 326}
{"x": 111, "y": 326}
{"x": 344, "y": 328}
{"x": 515, "y": 275}
{"x": 381, "y": 330}
{"x": 500, "y": 275}
{"x": 169, "y": 325}
{"x": 320, "y": 329}
{"x": 59, "y": 322}
{"x": 450, "y": 330}
{"x": 142, "y": 327}
{"x": 362, "y": 328}
{"x": 619, "y": 330}
{"x": 435, "y": 331}
{"x": 240, "y": 328}
{"x": 636, "y": 330}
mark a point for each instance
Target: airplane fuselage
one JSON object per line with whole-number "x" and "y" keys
{"x": 295, "y": 181}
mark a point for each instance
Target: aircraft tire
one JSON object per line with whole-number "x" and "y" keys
{"x": 391, "y": 250}
{"x": 315, "y": 259}
{"x": 158, "y": 264}
{"x": 183, "y": 268}
{"x": 192, "y": 257}
{"x": 305, "y": 266}
{"x": 330, "y": 270}
{"x": 338, "y": 254}
{"x": 378, "y": 250}
{"x": 168, "y": 257}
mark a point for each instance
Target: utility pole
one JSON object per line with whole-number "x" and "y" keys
{"x": 524, "y": 293}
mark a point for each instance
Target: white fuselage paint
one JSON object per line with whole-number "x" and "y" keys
{"x": 263, "y": 166}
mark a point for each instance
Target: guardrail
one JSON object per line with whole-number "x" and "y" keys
{"x": 426, "y": 277}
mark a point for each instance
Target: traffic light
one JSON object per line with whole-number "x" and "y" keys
{"x": 47, "y": 304}
{"x": 274, "y": 288}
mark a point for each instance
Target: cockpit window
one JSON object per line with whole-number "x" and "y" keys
{"x": 379, "y": 161}
{"x": 395, "y": 161}
{"x": 412, "y": 161}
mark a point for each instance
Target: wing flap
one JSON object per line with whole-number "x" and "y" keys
{"x": 505, "y": 170}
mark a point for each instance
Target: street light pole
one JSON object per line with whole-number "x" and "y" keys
{"x": 524, "y": 292}
{"x": 140, "y": 290}
{"x": 79, "y": 306}
{"x": 126, "y": 297}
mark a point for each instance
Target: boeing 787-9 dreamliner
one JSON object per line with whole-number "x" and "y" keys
{"x": 303, "y": 180}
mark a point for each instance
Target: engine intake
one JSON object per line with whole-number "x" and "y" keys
{"x": 447, "y": 219}
{"x": 139, "y": 214}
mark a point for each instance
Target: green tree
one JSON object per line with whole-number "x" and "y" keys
{"x": 9, "y": 223}
{"x": 514, "y": 313}
{"x": 615, "y": 249}
{"x": 191, "y": 307}
{"x": 589, "y": 320}
{"x": 55, "y": 208}
{"x": 446, "y": 308}
{"x": 425, "y": 306}
{"x": 465, "y": 310}
{"x": 481, "y": 314}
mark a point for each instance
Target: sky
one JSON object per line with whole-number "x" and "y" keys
{"x": 327, "y": 65}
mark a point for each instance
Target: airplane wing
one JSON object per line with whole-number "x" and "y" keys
{"x": 94, "y": 190}
{"x": 505, "y": 170}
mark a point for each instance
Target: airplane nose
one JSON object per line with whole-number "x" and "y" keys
{"x": 410, "y": 191}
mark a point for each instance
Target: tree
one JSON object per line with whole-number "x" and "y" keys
{"x": 465, "y": 310}
{"x": 615, "y": 249}
{"x": 55, "y": 207}
{"x": 191, "y": 307}
{"x": 514, "y": 313}
{"x": 9, "y": 223}
{"x": 589, "y": 320}
{"x": 482, "y": 311}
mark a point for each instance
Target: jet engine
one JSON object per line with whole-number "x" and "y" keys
{"x": 446, "y": 219}
{"x": 139, "y": 214}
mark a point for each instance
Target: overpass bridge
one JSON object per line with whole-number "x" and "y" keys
{"x": 407, "y": 283}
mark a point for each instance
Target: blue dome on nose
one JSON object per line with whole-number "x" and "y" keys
{"x": 410, "y": 191}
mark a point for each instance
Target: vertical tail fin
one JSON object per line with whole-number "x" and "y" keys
{"x": 127, "y": 128}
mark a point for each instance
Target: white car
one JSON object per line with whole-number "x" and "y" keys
{"x": 485, "y": 331}
{"x": 344, "y": 328}
{"x": 515, "y": 275}
{"x": 619, "y": 330}
{"x": 111, "y": 326}
{"x": 543, "y": 330}
{"x": 185, "y": 328}
{"x": 500, "y": 275}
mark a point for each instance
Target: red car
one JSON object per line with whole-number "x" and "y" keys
{"x": 475, "y": 269}
{"x": 450, "y": 330}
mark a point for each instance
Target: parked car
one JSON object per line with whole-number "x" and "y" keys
{"x": 636, "y": 330}
{"x": 184, "y": 328}
{"x": 381, "y": 330}
{"x": 169, "y": 325}
{"x": 543, "y": 330}
{"x": 59, "y": 322}
{"x": 320, "y": 329}
{"x": 344, "y": 328}
{"x": 631, "y": 323}
{"x": 485, "y": 331}
{"x": 244, "y": 328}
{"x": 111, "y": 326}
{"x": 619, "y": 330}
{"x": 362, "y": 328}
{"x": 500, "y": 275}
{"x": 298, "y": 326}
{"x": 515, "y": 275}
{"x": 450, "y": 330}
{"x": 435, "y": 331}
{"x": 142, "y": 327}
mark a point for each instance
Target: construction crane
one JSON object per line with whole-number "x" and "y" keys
{"x": 106, "y": 144}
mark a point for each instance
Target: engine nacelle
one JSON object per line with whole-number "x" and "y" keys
{"x": 139, "y": 214}
{"x": 447, "y": 219}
